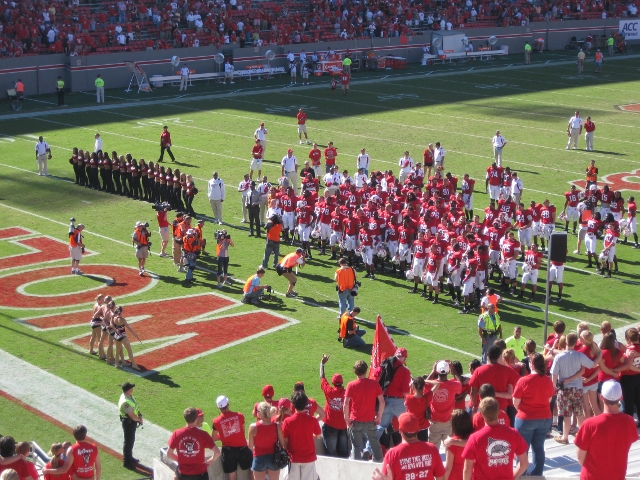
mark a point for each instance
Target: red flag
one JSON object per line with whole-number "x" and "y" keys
{"x": 383, "y": 347}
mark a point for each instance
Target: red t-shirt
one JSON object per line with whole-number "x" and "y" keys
{"x": 412, "y": 461}
{"x": 611, "y": 364}
{"x": 265, "y": 439}
{"x": 84, "y": 459}
{"x": 333, "y": 407}
{"x": 362, "y": 394}
{"x": 444, "y": 399}
{"x": 20, "y": 466}
{"x": 165, "y": 139}
{"x": 299, "y": 429}
{"x": 586, "y": 349}
{"x": 478, "y": 420}
{"x": 344, "y": 78}
{"x": 606, "y": 438}
{"x": 399, "y": 386}
{"x": 302, "y": 118}
{"x": 417, "y": 406}
{"x": 458, "y": 461}
{"x": 500, "y": 376}
{"x": 534, "y": 392}
{"x": 230, "y": 428}
{"x": 493, "y": 450}
{"x": 189, "y": 443}
{"x": 48, "y": 476}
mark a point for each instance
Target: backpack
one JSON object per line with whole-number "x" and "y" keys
{"x": 386, "y": 372}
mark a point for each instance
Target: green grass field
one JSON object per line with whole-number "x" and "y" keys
{"x": 387, "y": 115}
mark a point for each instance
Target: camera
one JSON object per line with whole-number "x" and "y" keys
{"x": 222, "y": 234}
{"x": 268, "y": 289}
{"x": 354, "y": 290}
{"x": 159, "y": 207}
{"x": 146, "y": 224}
{"x": 276, "y": 219}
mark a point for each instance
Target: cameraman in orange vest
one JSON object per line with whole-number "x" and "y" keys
{"x": 285, "y": 268}
{"x": 274, "y": 229}
{"x": 140, "y": 239}
{"x": 252, "y": 290}
{"x": 350, "y": 334}
{"x": 190, "y": 251}
{"x": 76, "y": 247}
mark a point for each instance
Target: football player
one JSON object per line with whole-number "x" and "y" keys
{"x": 532, "y": 262}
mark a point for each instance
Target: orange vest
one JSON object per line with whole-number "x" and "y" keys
{"x": 274, "y": 233}
{"x": 344, "y": 320}
{"x": 198, "y": 229}
{"x": 142, "y": 239}
{"x": 73, "y": 239}
{"x": 190, "y": 243}
{"x": 290, "y": 260}
{"x": 247, "y": 284}
{"x": 592, "y": 176}
{"x": 598, "y": 56}
{"x": 345, "y": 278}
{"x": 493, "y": 299}
{"x": 20, "y": 87}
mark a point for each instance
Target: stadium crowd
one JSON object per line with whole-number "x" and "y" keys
{"x": 74, "y": 28}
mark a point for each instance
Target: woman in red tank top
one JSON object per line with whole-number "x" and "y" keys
{"x": 56, "y": 453}
{"x": 262, "y": 441}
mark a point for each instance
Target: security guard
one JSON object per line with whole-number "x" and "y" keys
{"x": 60, "y": 91}
{"x": 610, "y": 43}
{"x": 190, "y": 251}
{"x": 100, "y": 89}
{"x": 527, "y": 53}
{"x": 489, "y": 329}
{"x": 130, "y": 417}
{"x": 346, "y": 64}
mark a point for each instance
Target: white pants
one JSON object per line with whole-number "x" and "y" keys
{"x": 556, "y": 273}
{"x": 43, "y": 169}
{"x": 302, "y": 471}
{"x": 304, "y": 231}
{"x": 183, "y": 82}
{"x": 293, "y": 177}
{"x": 611, "y": 254}
{"x": 531, "y": 276}
{"x": 431, "y": 279}
{"x": 512, "y": 271}
{"x": 480, "y": 276}
{"x": 497, "y": 155}
{"x": 245, "y": 211}
{"x": 573, "y": 138}
{"x": 367, "y": 255}
{"x": 404, "y": 252}
{"x": 572, "y": 214}
{"x": 588, "y": 138}
{"x": 288, "y": 220}
{"x": 350, "y": 243}
{"x": 416, "y": 267}
{"x": 393, "y": 247}
{"x": 524, "y": 236}
{"x": 494, "y": 256}
{"x": 468, "y": 286}
{"x": 335, "y": 238}
{"x": 547, "y": 231}
{"x": 604, "y": 209}
{"x": 467, "y": 198}
{"x": 633, "y": 225}
{"x": 535, "y": 229}
{"x": 494, "y": 192}
{"x": 454, "y": 276}
{"x": 325, "y": 231}
{"x": 100, "y": 94}
{"x": 590, "y": 243}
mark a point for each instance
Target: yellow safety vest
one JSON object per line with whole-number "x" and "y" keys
{"x": 124, "y": 400}
{"x": 610, "y": 41}
{"x": 488, "y": 324}
{"x": 60, "y": 84}
{"x": 527, "y": 48}
{"x": 346, "y": 62}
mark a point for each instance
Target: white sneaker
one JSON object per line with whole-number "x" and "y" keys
{"x": 567, "y": 148}
{"x": 308, "y": 142}
{"x": 219, "y": 222}
{"x": 300, "y": 142}
{"x": 219, "y": 285}
{"x": 577, "y": 252}
{"x": 232, "y": 83}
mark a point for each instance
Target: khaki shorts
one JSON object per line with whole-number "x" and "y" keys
{"x": 142, "y": 252}
{"x": 164, "y": 234}
{"x": 76, "y": 253}
{"x": 291, "y": 277}
{"x": 302, "y": 128}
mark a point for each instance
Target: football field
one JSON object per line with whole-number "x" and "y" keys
{"x": 199, "y": 341}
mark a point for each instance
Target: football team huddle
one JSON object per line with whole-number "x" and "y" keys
{"x": 424, "y": 228}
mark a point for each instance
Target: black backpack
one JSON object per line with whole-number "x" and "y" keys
{"x": 387, "y": 371}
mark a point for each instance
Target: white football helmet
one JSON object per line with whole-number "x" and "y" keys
{"x": 396, "y": 259}
{"x": 625, "y": 230}
{"x": 582, "y": 207}
{"x": 603, "y": 256}
{"x": 562, "y": 216}
{"x": 315, "y": 233}
{"x": 381, "y": 251}
{"x": 526, "y": 268}
{"x": 409, "y": 274}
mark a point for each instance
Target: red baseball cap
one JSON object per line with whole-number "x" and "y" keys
{"x": 284, "y": 403}
{"x": 408, "y": 423}
{"x": 336, "y": 379}
{"x": 290, "y": 151}
{"x": 200, "y": 412}
{"x": 267, "y": 391}
{"x": 401, "y": 352}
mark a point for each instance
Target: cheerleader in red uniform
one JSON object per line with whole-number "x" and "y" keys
{"x": 124, "y": 167}
{"x": 74, "y": 162}
{"x": 191, "y": 193}
{"x": 177, "y": 190}
{"x": 144, "y": 176}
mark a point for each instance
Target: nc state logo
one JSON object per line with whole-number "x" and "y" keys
{"x": 617, "y": 181}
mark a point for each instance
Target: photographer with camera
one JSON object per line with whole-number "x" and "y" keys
{"x": 252, "y": 290}
{"x": 222, "y": 251}
{"x": 190, "y": 249}
{"x": 285, "y": 268}
{"x": 140, "y": 239}
{"x": 274, "y": 229}
{"x": 345, "y": 278}
{"x": 178, "y": 232}
{"x": 163, "y": 225}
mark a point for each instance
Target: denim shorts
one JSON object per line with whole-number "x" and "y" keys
{"x": 264, "y": 463}
{"x": 590, "y": 388}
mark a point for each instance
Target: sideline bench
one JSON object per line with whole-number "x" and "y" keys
{"x": 449, "y": 57}
{"x": 173, "y": 80}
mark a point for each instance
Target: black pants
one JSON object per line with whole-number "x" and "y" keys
{"x": 136, "y": 190}
{"x": 168, "y": 149}
{"x": 116, "y": 179}
{"x": 60, "y": 92}
{"x": 177, "y": 196}
{"x": 129, "y": 429}
{"x": 631, "y": 393}
{"x": 77, "y": 173}
{"x": 254, "y": 218}
{"x": 511, "y": 413}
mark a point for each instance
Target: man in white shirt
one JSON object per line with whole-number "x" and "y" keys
{"x": 43, "y": 153}
{"x": 363, "y": 162}
{"x": 361, "y": 179}
{"x": 245, "y": 190}
{"x": 332, "y": 181}
{"x": 498, "y": 142}
{"x": 184, "y": 77}
{"x": 261, "y": 134}
{"x": 406, "y": 164}
{"x": 574, "y": 129}
{"x": 199, "y": 25}
{"x": 228, "y": 72}
{"x": 216, "y": 193}
{"x": 98, "y": 144}
{"x": 516, "y": 188}
{"x": 303, "y": 60}
{"x": 122, "y": 40}
{"x": 438, "y": 156}
{"x": 289, "y": 165}
{"x": 291, "y": 57}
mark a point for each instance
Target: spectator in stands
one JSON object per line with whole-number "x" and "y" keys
{"x": 83, "y": 458}
{"x": 299, "y": 432}
{"x": 228, "y": 427}
{"x": 442, "y": 402}
{"x": 262, "y": 440}
{"x": 502, "y": 378}
{"x": 191, "y": 461}
{"x": 334, "y": 427}
{"x": 396, "y": 391}
{"x": 11, "y": 460}
{"x": 9, "y": 474}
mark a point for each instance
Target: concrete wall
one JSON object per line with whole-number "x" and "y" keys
{"x": 40, "y": 73}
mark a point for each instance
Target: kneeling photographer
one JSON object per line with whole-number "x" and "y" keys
{"x": 223, "y": 240}
{"x": 252, "y": 290}
{"x": 347, "y": 285}
{"x": 140, "y": 239}
{"x": 163, "y": 225}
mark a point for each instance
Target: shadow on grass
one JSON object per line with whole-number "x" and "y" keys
{"x": 162, "y": 379}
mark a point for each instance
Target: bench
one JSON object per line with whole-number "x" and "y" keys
{"x": 449, "y": 57}
{"x": 219, "y": 76}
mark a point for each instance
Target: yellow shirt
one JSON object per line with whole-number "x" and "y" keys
{"x": 99, "y": 82}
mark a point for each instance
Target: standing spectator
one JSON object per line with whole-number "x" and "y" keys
{"x": 531, "y": 397}
{"x": 253, "y": 200}
{"x": 501, "y": 377}
{"x": 395, "y": 392}
{"x": 299, "y": 432}
{"x": 99, "y": 89}
{"x": 334, "y": 427}
{"x": 302, "y": 127}
{"x": 13, "y": 462}
{"x": 262, "y": 441}
{"x": 516, "y": 188}
{"x": 498, "y": 142}
{"x": 490, "y": 452}
{"x": 140, "y": 239}
{"x": 566, "y": 373}
{"x": 442, "y": 402}
{"x": 184, "y": 77}
{"x": 363, "y": 162}
{"x": 216, "y": 194}
{"x": 289, "y": 168}
{"x": 228, "y": 427}
{"x": 163, "y": 226}
{"x": 244, "y": 187}
{"x": 228, "y": 72}
{"x": 345, "y": 277}
{"x": 76, "y": 247}
{"x": 574, "y": 129}
{"x": 345, "y": 78}
{"x": 598, "y": 61}
{"x": 527, "y": 53}
{"x": 438, "y": 156}
{"x": 489, "y": 329}
{"x": 589, "y": 128}
{"x": 43, "y": 153}
{"x": 261, "y": 135}
{"x": 330, "y": 155}
{"x": 461, "y": 429}
{"x": 60, "y": 89}
{"x": 83, "y": 458}
{"x": 581, "y": 57}
{"x": 187, "y": 446}
{"x": 360, "y": 411}
{"x": 165, "y": 144}
{"x": 406, "y": 165}
{"x": 603, "y": 442}
{"x": 223, "y": 243}
{"x": 412, "y": 458}
{"x": 274, "y": 230}
{"x": 518, "y": 343}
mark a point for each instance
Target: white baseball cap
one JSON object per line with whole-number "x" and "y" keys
{"x": 442, "y": 367}
{"x": 222, "y": 401}
{"x": 611, "y": 390}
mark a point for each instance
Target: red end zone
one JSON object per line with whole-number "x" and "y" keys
{"x": 12, "y": 232}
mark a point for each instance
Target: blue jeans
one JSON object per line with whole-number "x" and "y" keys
{"x": 356, "y": 340}
{"x": 534, "y": 433}
{"x": 369, "y": 430}
{"x": 190, "y": 263}
{"x": 345, "y": 300}
{"x": 122, "y": 17}
{"x": 336, "y": 442}
{"x": 393, "y": 407}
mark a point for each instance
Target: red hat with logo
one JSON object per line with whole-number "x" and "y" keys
{"x": 267, "y": 391}
{"x": 401, "y": 352}
{"x": 408, "y": 423}
{"x": 336, "y": 379}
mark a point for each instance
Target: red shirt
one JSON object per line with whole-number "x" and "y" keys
{"x": 265, "y": 439}
{"x": 399, "y": 386}
{"x": 48, "y": 476}
{"x": 20, "y": 466}
{"x": 256, "y": 151}
{"x": 315, "y": 154}
{"x": 417, "y": 406}
{"x": 586, "y": 349}
{"x": 458, "y": 461}
{"x": 589, "y": 126}
{"x": 493, "y": 450}
{"x": 417, "y": 460}
{"x": 479, "y": 424}
{"x": 330, "y": 154}
{"x": 333, "y": 407}
{"x": 606, "y": 438}
{"x": 547, "y": 214}
{"x": 230, "y": 428}
{"x": 165, "y": 139}
{"x": 344, "y": 78}
{"x": 610, "y": 363}
{"x": 300, "y": 429}
{"x": 500, "y": 376}
{"x": 362, "y": 394}
{"x": 84, "y": 459}
{"x": 189, "y": 443}
{"x": 495, "y": 175}
{"x": 534, "y": 392}
{"x": 302, "y": 118}
{"x": 444, "y": 399}
{"x": 572, "y": 198}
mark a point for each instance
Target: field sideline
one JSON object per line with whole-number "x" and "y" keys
{"x": 201, "y": 342}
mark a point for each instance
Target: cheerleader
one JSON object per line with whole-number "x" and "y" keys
{"x": 184, "y": 186}
{"x": 115, "y": 173}
{"x": 108, "y": 173}
{"x": 144, "y": 175}
{"x": 162, "y": 176}
{"x": 128, "y": 174}
{"x": 87, "y": 168}
{"x": 156, "y": 183}
{"x": 123, "y": 167}
{"x": 107, "y": 312}
{"x": 120, "y": 326}
{"x": 191, "y": 194}
{"x": 93, "y": 173}
{"x": 100, "y": 162}
{"x": 96, "y": 323}
{"x": 177, "y": 189}
{"x": 169, "y": 187}
{"x": 136, "y": 191}
{"x": 74, "y": 162}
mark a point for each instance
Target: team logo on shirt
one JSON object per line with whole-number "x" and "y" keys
{"x": 498, "y": 452}
{"x": 189, "y": 447}
{"x": 617, "y": 181}
{"x": 442, "y": 394}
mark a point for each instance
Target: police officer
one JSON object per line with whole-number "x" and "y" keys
{"x": 489, "y": 329}
{"x": 60, "y": 91}
{"x": 130, "y": 417}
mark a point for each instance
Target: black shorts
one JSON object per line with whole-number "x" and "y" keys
{"x": 234, "y": 456}
{"x": 202, "y": 476}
